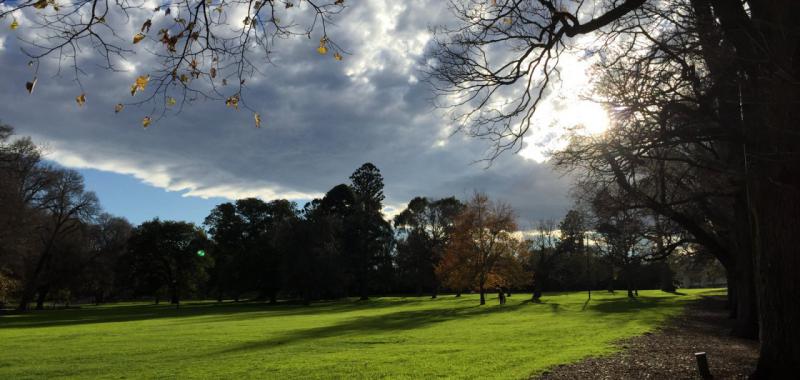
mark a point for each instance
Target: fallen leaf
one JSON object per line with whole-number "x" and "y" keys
{"x": 138, "y": 38}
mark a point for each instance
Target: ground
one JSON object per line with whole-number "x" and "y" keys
{"x": 381, "y": 338}
{"x": 668, "y": 352}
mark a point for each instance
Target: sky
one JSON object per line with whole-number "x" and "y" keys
{"x": 322, "y": 119}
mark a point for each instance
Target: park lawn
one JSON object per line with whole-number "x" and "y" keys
{"x": 391, "y": 337}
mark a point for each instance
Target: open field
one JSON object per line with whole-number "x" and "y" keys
{"x": 381, "y": 338}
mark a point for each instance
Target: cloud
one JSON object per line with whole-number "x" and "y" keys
{"x": 322, "y": 119}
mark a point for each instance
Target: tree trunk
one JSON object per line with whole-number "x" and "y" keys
{"x": 42, "y": 295}
{"x": 731, "y": 304}
{"x": 483, "y": 296}
{"x": 773, "y": 134}
{"x": 777, "y": 263}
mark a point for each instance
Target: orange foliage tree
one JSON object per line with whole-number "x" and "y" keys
{"x": 482, "y": 240}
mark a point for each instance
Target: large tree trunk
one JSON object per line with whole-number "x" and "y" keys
{"x": 777, "y": 285}
{"x": 483, "y": 295}
{"x": 767, "y": 41}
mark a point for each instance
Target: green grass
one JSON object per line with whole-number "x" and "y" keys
{"x": 381, "y": 338}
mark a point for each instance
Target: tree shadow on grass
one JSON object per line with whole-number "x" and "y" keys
{"x": 139, "y": 312}
{"x": 633, "y": 305}
{"x": 397, "y": 321}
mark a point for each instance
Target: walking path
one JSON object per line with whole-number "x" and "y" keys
{"x": 668, "y": 353}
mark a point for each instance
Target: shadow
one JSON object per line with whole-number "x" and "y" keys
{"x": 398, "y": 321}
{"x": 110, "y": 313}
{"x": 632, "y": 305}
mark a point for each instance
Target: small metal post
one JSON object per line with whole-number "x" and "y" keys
{"x": 702, "y": 365}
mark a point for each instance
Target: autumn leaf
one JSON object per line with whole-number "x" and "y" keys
{"x": 171, "y": 101}
{"x": 80, "y": 99}
{"x": 41, "y": 4}
{"x": 14, "y": 25}
{"x": 184, "y": 78}
{"x": 337, "y": 56}
{"x": 30, "y": 85}
{"x": 247, "y": 20}
{"x": 508, "y": 21}
{"x": 339, "y": 2}
{"x": 146, "y": 122}
{"x": 140, "y": 84}
{"x": 138, "y": 38}
{"x": 322, "y": 49}
{"x": 232, "y": 102}
{"x": 146, "y": 26}
{"x": 257, "y": 118}
{"x": 213, "y": 72}
{"x": 118, "y": 108}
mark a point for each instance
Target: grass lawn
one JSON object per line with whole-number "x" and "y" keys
{"x": 382, "y": 338}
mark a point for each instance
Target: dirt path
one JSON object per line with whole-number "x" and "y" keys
{"x": 668, "y": 353}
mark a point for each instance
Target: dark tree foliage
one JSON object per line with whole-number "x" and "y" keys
{"x": 368, "y": 234}
{"x": 163, "y": 259}
{"x": 424, "y": 230}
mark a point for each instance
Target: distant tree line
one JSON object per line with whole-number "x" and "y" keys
{"x": 57, "y": 245}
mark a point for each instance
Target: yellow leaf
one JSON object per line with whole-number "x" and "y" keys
{"x": 41, "y": 4}
{"x": 184, "y": 78}
{"x": 30, "y": 85}
{"x": 171, "y": 101}
{"x": 140, "y": 84}
{"x": 81, "y": 99}
{"x": 322, "y": 49}
{"x": 146, "y": 122}
{"x": 118, "y": 108}
{"x": 138, "y": 38}
{"x": 337, "y": 56}
{"x": 508, "y": 21}
{"x": 257, "y": 117}
{"x": 14, "y": 25}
